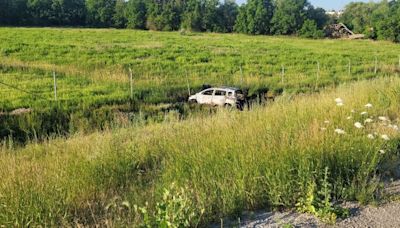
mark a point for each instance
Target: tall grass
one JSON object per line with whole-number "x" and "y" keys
{"x": 273, "y": 157}
{"x": 92, "y": 72}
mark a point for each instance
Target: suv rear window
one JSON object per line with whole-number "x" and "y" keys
{"x": 220, "y": 93}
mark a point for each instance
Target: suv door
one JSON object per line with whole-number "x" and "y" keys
{"x": 206, "y": 96}
{"x": 219, "y": 97}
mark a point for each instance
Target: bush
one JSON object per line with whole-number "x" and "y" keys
{"x": 310, "y": 30}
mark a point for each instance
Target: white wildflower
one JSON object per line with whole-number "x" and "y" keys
{"x": 385, "y": 137}
{"x": 369, "y": 120}
{"x": 395, "y": 127}
{"x": 326, "y": 121}
{"x": 371, "y": 136}
{"x": 339, "y": 100}
{"x": 323, "y": 129}
{"x": 339, "y": 104}
{"x": 358, "y": 125}
{"x": 368, "y": 105}
{"x": 349, "y": 117}
{"x": 381, "y": 151}
{"x": 340, "y": 131}
{"x": 382, "y": 118}
{"x": 364, "y": 113}
{"x": 353, "y": 111}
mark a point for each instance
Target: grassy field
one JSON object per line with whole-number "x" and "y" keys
{"x": 99, "y": 156}
{"x": 162, "y": 61}
{"x": 92, "y": 65}
{"x": 290, "y": 154}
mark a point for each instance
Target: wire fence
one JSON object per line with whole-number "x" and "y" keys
{"x": 310, "y": 75}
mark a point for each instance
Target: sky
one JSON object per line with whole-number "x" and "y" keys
{"x": 327, "y": 4}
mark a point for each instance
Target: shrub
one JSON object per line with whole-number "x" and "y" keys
{"x": 310, "y": 30}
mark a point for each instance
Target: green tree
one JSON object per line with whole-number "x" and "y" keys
{"x": 119, "y": 18}
{"x": 289, "y": 16}
{"x": 136, "y": 14}
{"x": 14, "y": 12}
{"x": 386, "y": 20}
{"x": 310, "y": 30}
{"x": 357, "y": 16}
{"x": 100, "y": 12}
{"x": 395, "y": 18}
{"x": 164, "y": 15}
{"x": 318, "y": 15}
{"x": 42, "y": 12}
{"x": 255, "y": 17}
{"x": 211, "y": 18}
{"x": 241, "y": 20}
{"x": 192, "y": 18}
{"x": 68, "y": 12}
{"x": 228, "y": 12}
{"x": 376, "y": 20}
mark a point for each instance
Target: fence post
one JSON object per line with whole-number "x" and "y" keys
{"x": 241, "y": 74}
{"x": 187, "y": 82}
{"x": 55, "y": 85}
{"x": 131, "y": 81}
{"x": 318, "y": 72}
{"x": 349, "y": 70}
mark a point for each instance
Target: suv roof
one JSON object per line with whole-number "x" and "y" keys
{"x": 227, "y": 87}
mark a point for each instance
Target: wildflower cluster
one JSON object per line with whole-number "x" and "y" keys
{"x": 375, "y": 127}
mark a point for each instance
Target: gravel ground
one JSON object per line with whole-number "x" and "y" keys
{"x": 385, "y": 215}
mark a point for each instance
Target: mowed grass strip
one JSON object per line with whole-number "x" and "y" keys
{"x": 232, "y": 161}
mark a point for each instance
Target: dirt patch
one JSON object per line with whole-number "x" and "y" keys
{"x": 20, "y": 111}
{"x": 17, "y": 112}
{"x": 387, "y": 215}
{"x": 384, "y": 215}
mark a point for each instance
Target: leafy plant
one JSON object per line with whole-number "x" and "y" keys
{"x": 176, "y": 209}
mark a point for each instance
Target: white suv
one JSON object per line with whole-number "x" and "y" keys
{"x": 223, "y": 96}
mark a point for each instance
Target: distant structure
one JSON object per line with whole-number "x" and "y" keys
{"x": 334, "y": 13}
{"x": 340, "y": 30}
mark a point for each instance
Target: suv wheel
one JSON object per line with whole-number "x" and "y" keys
{"x": 239, "y": 106}
{"x": 228, "y": 106}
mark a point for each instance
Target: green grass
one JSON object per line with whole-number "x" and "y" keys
{"x": 122, "y": 152}
{"x": 232, "y": 161}
{"x": 92, "y": 72}
{"x": 90, "y": 58}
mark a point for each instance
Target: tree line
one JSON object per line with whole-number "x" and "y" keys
{"x": 376, "y": 20}
{"x": 257, "y": 17}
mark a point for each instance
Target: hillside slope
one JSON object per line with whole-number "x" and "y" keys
{"x": 303, "y": 151}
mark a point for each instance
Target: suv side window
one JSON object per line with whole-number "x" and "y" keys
{"x": 220, "y": 93}
{"x": 208, "y": 92}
